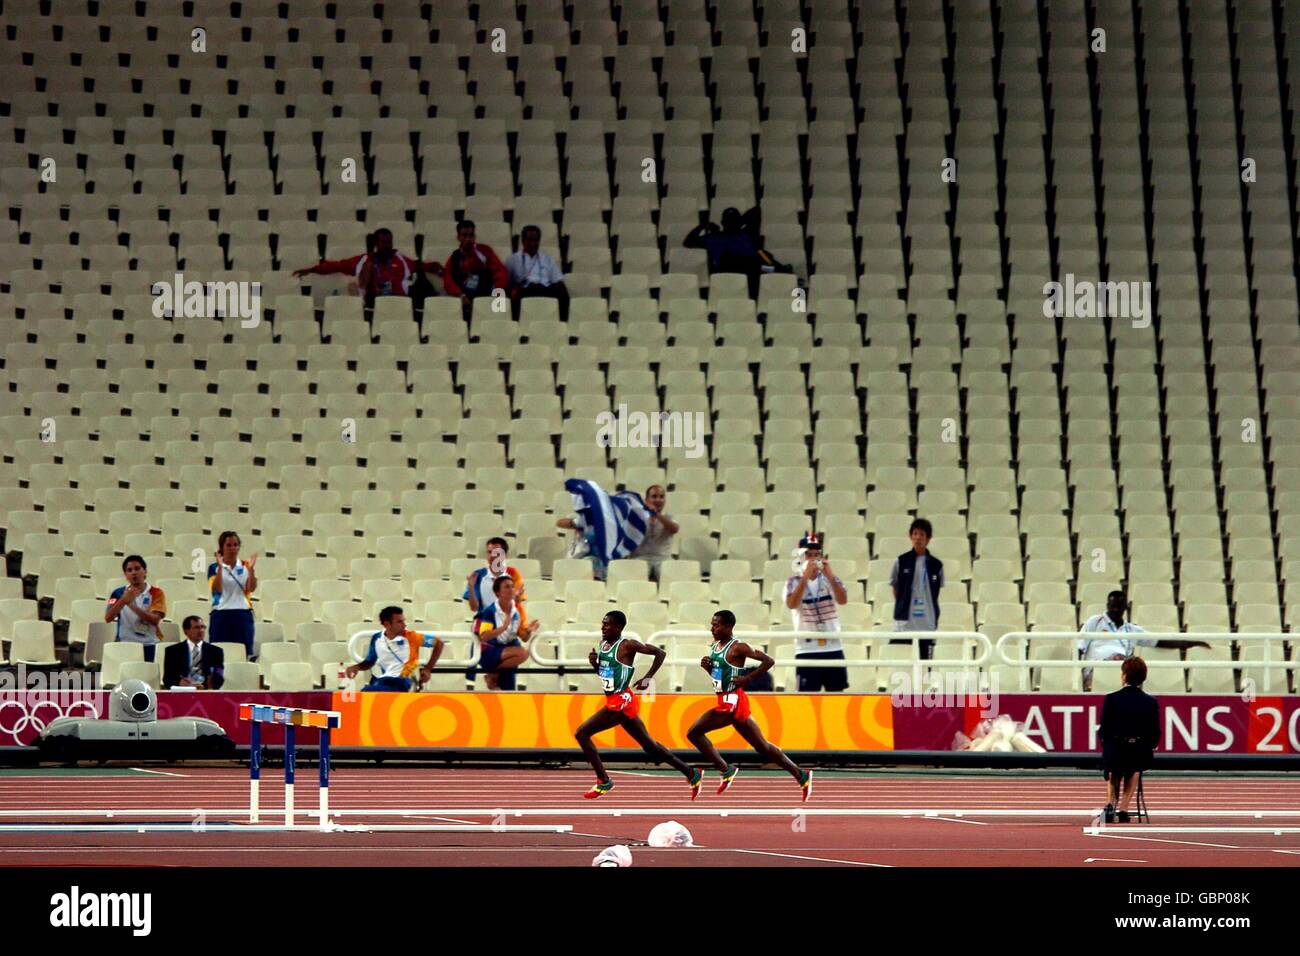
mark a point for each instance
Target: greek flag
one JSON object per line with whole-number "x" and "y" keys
{"x": 616, "y": 524}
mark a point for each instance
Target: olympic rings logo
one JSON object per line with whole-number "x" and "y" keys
{"x": 37, "y": 716}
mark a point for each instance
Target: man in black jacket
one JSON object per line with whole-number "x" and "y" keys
{"x": 1130, "y": 731}
{"x": 194, "y": 662}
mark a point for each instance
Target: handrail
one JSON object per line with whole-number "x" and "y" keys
{"x": 1266, "y": 637}
{"x": 771, "y": 637}
{"x": 471, "y": 661}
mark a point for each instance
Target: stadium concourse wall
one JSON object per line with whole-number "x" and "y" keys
{"x": 1199, "y": 730}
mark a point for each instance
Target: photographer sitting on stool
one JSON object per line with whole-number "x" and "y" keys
{"x": 1130, "y": 731}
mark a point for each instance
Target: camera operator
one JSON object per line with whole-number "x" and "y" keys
{"x": 812, "y": 594}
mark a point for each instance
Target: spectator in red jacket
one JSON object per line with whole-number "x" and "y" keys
{"x": 473, "y": 270}
{"x": 378, "y": 271}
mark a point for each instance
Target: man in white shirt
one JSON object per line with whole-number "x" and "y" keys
{"x": 534, "y": 273}
{"x": 1113, "y": 647}
{"x": 812, "y": 595}
{"x": 393, "y": 655}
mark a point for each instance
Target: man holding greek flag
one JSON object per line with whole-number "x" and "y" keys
{"x": 608, "y": 526}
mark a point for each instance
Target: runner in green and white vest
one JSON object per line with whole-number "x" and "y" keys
{"x": 725, "y": 663}
{"x": 614, "y": 660}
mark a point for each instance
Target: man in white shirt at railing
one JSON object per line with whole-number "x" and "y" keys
{"x": 812, "y": 595}
{"x": 1114, "y": 647}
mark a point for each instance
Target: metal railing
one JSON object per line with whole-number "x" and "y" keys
{"x": 668, "y": 639}
{"x": 1015, "y": 641}
{"x": 356, "y": 648}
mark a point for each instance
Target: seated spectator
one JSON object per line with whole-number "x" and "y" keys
{"x": 502, "y": 628}
{"x": 380, "y": 270}
{"x": 393, "y": 655}
{"x": 478, "y": 586}
{"x": 732, "y": 247}
{"x": 137, "y": 607}
{"x": 1129, "y": 734}
{"x": 657, "y": 547}
{"x": 534, "y": 273}
{"x": 1117, "y": 648}
{"x": 194, "y": 662}
{"x": 472, "y": 270}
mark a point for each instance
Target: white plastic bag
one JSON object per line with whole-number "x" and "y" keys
{"x": 670, "y": 834}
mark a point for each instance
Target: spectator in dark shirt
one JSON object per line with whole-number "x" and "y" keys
{"x": 732, "y": 247}
{"x": 194, "y": 662}
{"x": 917, "y": 576}
{"x": 473, "y": 270}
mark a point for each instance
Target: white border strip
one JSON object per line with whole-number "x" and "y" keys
{"x": 1135, "y": 830}
{"x": 588, "y": 811}
{"x": 274, "y": 828}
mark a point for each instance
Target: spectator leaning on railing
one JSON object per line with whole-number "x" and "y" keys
{"x": 1115, "y": 648}
{"x": 393, "y": 655}
{"x": 812, "y": 595}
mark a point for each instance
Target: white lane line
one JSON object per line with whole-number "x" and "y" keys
{"x": 1110, "y": 859}
{"x": 978, "y": 823}
{"x": 796, "y": 856}
{"x": 638, "y": 809}
{"x": 161, "y": 773}
{"x": 1118, "y": 836}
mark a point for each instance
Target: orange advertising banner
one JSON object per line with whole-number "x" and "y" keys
{"x": 522, "y": 721}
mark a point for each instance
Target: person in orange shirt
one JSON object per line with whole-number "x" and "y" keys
{"x": 137, "y": 607}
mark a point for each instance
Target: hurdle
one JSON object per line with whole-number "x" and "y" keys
{"x": 291, "y": 718}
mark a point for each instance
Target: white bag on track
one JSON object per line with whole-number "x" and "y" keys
{"x": 613, "y": 856}
{"x": 670, "y": 834}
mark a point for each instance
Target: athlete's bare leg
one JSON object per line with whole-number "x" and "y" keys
{"x": 637, "y": 731}
{"x": 598, "y": 722}
{"x": 698, "y": 735}
{"x": 748, "y": 729}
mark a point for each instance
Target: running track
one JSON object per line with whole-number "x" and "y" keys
{"x": 764, "y": 825}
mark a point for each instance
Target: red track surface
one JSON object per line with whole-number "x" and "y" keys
{"x": 779, "y": 840}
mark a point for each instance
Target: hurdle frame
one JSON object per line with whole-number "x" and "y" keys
{"x": 291, "y": 718}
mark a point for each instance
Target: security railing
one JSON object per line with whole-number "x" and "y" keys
{"x": 554, "y": 650}
{"x": 1012, "y": 645}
